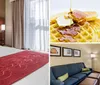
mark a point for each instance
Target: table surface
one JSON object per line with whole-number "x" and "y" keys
{"x": 89, "y": 81}
{"x": 94, "y": 75}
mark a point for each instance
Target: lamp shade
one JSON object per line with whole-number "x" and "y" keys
{"x": 93, "y": 55}
{"x": 11, "y": 0}
{"x": 3, "y": 27}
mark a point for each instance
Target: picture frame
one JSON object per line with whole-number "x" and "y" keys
{"x": 76, "y": 53}
{"x": 67, "y": 52}
{"x": 55, "y": 51}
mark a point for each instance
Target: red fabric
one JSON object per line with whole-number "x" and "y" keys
{"x": 16, "y": 66}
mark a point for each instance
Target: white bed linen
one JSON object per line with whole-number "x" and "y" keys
{"x": 39, "y": 77}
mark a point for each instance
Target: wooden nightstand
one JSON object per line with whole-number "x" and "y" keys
{"x": 2, "y": 37}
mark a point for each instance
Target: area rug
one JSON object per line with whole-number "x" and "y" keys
{"x": 17, "y": 66}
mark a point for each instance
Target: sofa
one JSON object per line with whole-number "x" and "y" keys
{"x": 74, "y": 71}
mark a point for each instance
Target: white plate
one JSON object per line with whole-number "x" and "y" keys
{"x": 58, "y": 6}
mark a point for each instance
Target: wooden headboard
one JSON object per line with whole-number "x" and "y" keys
{"x": 2, "y": 21}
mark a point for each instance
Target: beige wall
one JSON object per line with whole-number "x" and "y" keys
{"x": 2, "y": 8}
{"x": 66, "y": 60}
{"x": 97, "y": 63}
{"x": 8, "y": 37}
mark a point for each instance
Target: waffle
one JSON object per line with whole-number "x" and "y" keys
{"x": 88, "y": 32}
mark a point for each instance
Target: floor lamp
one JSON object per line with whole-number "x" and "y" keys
{"x": 92, "y": 59}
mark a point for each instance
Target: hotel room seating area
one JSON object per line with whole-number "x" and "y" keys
{"x": 76, "y": 76}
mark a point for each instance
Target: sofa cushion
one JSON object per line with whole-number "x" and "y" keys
{"x": 57, "y": 82}
{"x": 79, "y": 76}
{"x": 52, "y": 78}
{"x": 87, "y": 73}
{"x": 80, "y": 66}
{"x": 85, "y": 69}
{"x": 51, "y": 75}
{"x": 73, "y": 69}
{"x": 59, "y": 70}
{"x": 70, "y": 81}
{"x": 63, "y": 77}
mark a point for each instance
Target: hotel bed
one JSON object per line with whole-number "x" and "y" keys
{"x": 38, "y": 77}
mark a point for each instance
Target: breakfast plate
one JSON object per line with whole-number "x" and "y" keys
{"x": 74, "y": 22}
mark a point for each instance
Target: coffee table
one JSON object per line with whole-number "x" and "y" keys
{"x": 95, "y": 76}
{"x": 89, "y": 81}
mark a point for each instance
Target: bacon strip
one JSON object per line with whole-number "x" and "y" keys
{"x": 76, "y": 28}
{"x": 71, "y": 31}
{"x": 79, "y": 14}
{"x": 63, "y": 32}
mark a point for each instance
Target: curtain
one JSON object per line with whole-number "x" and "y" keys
{"x": 36, "y": 25}
{"x": 17, "y": 22}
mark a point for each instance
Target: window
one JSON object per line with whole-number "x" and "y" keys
{"x": 36, "y": 25}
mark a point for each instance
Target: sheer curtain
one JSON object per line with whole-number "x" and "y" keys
{"x": 36, "y": 32}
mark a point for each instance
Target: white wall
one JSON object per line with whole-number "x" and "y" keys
{"x": 8, "y": 19}
{"x": 64, "y": 5}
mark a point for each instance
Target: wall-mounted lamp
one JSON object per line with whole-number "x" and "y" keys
{"x": 3, "y": 27}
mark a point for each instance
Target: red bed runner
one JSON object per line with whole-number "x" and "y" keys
{"x": 16, "y": 66}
